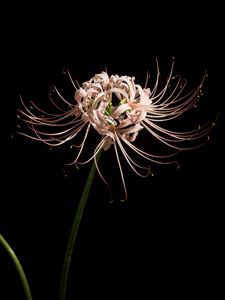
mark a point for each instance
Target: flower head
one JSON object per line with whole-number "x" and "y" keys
{"x": 119, "y": 109}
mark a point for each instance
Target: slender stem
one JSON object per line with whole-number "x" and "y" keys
{"x": 18, "y": 266}
{"x": 74, "y": 231}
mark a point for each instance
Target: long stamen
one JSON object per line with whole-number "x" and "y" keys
{"x": 121, "y": 173}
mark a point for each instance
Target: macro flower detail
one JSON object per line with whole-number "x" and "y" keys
{"x": 119, "y": 109}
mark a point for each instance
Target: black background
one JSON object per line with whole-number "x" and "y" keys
{"x": 166, "y": 239}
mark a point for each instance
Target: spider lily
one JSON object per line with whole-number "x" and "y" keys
{"x": 119, "y": 109}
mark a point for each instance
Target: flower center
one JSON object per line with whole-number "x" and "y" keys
{"x": 112, "y": 105}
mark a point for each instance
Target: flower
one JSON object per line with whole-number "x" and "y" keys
{"x": 119, "y": 109}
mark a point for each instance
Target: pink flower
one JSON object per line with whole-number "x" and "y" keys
{"x": 119, "y": 109}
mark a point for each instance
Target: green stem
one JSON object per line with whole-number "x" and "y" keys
{"x": 74, "y": 231}
{"x": 18, "y": 266}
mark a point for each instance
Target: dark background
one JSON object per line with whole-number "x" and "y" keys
{"x": 166, "y": 239}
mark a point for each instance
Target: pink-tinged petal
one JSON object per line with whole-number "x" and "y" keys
{"x": 120, "y": 110}
{"x": 80, "y": 94}
{"x": 137, "y": 115}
